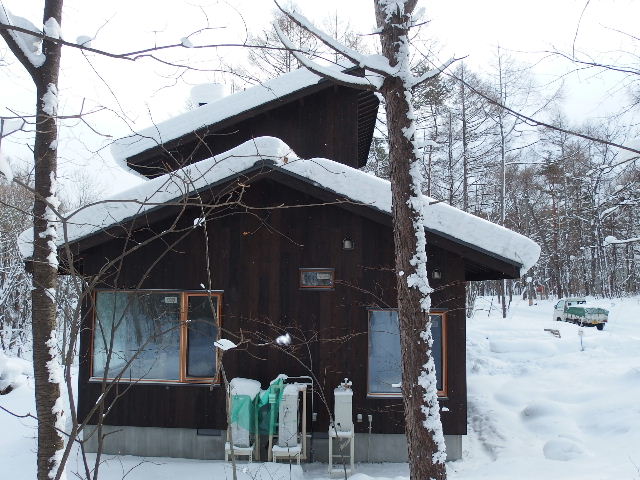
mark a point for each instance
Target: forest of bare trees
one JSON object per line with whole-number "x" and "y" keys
{"x": 576, "y": 197}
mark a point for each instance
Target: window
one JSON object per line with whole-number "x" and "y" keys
{"x": 164, "y": 336}
{"x": 316, "y": 278}
{"x": 385, "y": 367}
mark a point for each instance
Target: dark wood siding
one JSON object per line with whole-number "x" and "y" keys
{"x": 322, "y": 124}
{"x": 255, "y": 261}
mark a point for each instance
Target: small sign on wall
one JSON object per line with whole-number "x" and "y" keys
{"x": 317, "y": 278}
{"x": 170, "y": 299}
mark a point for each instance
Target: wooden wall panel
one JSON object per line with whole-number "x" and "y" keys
{"x": 255, "y": 257}
{"x": 322, "y": 124}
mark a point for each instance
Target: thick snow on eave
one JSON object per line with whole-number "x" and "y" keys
{"x": 212, "y": 113}
{"x": 439, "y": 217}
{"x": 154, "y": 193}
{"x": 348, "y": 182}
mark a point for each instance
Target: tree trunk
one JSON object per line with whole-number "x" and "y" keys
{"x": 47, "y": 376}
{"x": 424, "y": 435}
{"x": 465, "y": 144}
{"x": 45, "y": 270}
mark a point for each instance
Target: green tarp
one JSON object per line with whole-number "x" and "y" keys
{"x": 582, "y": 311}
{"x": 261, "y": 413}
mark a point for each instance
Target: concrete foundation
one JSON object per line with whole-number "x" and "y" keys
{"x": 381, "y": 447}
{"x": 209, "y": 444}
{"x": 160, "y": 442}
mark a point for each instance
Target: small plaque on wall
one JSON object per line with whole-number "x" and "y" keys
{"x": 316, "y": 278}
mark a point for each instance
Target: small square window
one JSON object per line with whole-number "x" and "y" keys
{"x": 316, "y": 278}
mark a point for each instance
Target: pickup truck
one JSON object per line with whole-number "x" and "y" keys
{"x": 575, "y": 310}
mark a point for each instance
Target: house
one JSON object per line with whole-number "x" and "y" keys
{"x": 241, "y": 231}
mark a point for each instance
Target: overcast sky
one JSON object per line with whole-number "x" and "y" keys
{"x": 137, "y": 93}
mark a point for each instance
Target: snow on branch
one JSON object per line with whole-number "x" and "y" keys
{"x": 29, "y": 45}
{"x": 611, "y": 240}
{"x": 377, "y": 65}
{"x": 373, "y": 63}
{"x": 369, "y": 82}
{"x": 431, "y": 73}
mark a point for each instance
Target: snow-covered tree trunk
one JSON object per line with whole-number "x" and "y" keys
{"x": 422, "y": 415}
{"x": 392, "y": 76}
{"x": 44, "y": 68}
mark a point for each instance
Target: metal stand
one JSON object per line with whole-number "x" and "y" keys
{"x": 238, "y": 452}
{"x": 342, "y": 438}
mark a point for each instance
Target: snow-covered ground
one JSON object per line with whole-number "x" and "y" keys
{"x": 539, "y": 407}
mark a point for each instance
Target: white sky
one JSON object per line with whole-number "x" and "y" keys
{"x": 137, "y": 92}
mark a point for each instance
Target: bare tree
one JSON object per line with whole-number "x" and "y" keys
{"x": 44, "y": 68}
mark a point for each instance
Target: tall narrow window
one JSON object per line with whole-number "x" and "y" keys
{"x": 385, "y": 362}
{"x": 202, "y": 331}
{"x": 147, "y": 335}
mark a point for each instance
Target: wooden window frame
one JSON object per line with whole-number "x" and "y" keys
{"x": 331, "y": 271}
{"x": 442, "y": 394}
{"x": 183, "y": 341}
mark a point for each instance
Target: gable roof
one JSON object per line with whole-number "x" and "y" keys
{"x": 235, "y": 107}
{"x": 352, "y": 184}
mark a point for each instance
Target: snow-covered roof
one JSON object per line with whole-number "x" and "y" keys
{"x": 209, "y": 114}
{"x": 348, "y": 182}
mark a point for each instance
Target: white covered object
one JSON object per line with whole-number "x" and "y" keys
{"x": 242, "y": 387}
{"x": 241, "y": 436}
{"x": 342, "y": 430}
{"x": 288, "y": 417}
{"x": 343, "y": 409}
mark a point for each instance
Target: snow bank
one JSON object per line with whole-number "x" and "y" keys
{"x": 13, "y": 372}
{"x": 542, "y": 407}
{"x": 341, "y": 179}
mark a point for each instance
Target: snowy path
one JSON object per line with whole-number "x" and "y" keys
{"x": 539, "y": 408}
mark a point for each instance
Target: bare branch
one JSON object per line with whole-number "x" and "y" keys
{"x": 381, "y": 65}
{"x": 364, "y": 83}
{"x": 433, "y": 72}
{"x": 540, "y": 123}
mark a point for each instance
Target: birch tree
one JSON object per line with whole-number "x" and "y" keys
{"x": 42, "y": 61}
{"x": 391, "y": 75}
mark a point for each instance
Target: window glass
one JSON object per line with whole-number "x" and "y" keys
{"x": 202, "y": 331}
{"x": 145, "y": 329}
{"x": 385, "y": 363}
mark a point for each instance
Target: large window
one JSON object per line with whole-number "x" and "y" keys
{"x": 385, "y": 364}
{"x": 151, "y": 335}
